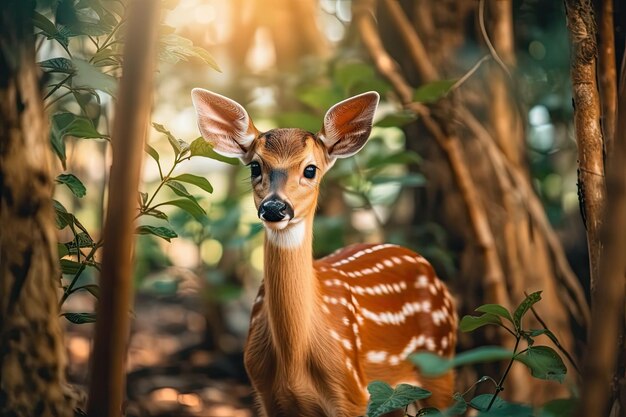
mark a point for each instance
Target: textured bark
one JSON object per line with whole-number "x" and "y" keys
{"x": 32, "y": 356}
{"x": 106, "y": 391}
{"x": 478, "y": 186}
{"x": 608, "y": 315}
{"x": 591, "y": 187}
{"x": 607, "y": 76}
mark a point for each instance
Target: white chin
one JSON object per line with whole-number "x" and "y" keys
{"x": 276, "y": 225}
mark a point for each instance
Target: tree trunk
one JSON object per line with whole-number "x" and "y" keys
{"x": 477, "y": 171}
{"x": 32, "y": 364}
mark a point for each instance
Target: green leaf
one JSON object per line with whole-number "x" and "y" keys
{"x": 431, "y": 92}
{"x": 152, "y": 152}
{"x": 160, "y": 231}
{"x": 63, "y": 218}
{"x": 470, "y": 323}
{"x": 80, "y": 318}
{"x": 179, "y": 189}
{"x": 62, "y": 250}
{"x": 89, "y": 76}
{"x": 143, "y": 198}
{"x": 81, "y": 240}
{"x": 384, "y": 399}
{"x": 496, "y": 310}
{"x": 189, "y": 206}
{"x": 52, "y": 31}
{"x": 174, "y": 48}
{"x": 562, "y": 407}
{"x": 435, "y": 365}
{"x": 176, "y": 144}
{"x": 524, "y": 306}
{"x": 156, "y": 213}
{"x": 397, "y": 119}
{"x": 412, "y": 179}
{"x": 500, "y": 407}
{"x": 70, "y": 267}
{"x": 59, "y": 65}
{"x": 196, "y": 180}
{"x": 73, "y": 183}
{"x": 551, "y": 336}
{"x": 47, "y": 27}
{"x": 68, "y": 124}
{"x": 543, "y": 362}
{"x": 201, "y": 147}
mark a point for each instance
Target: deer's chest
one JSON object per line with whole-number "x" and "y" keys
{"x": 306, "y": 388}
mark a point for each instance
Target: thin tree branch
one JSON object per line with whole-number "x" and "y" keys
{"x": 591, "y": 184}
{"x": 607, "y": 76}
{"x": 483, "y": 31}
{"x": 107, "y": 385}
{"x": 415, "y": 46}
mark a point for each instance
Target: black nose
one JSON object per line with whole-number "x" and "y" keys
{"x": 274, "y": 210}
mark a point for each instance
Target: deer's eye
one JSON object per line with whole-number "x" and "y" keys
{"x": 255, "y": 169}
{"x": 309, "y": 171}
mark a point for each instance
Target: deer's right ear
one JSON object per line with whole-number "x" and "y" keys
{"x": 223, "y": 123}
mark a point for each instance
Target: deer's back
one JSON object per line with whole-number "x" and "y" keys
{"x": 385, "y": 302}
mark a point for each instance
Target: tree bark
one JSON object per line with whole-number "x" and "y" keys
{"x": 32, "y": 355}
{"x": 107, "y": 387}
{"x": 591, "y": 186}
{"x": 608, "y": 315}
{"x": 608, "y": 73}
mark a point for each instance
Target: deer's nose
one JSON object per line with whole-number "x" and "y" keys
{"x": 274, "y": 210}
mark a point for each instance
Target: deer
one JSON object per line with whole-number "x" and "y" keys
{"x": 321, "y": 330}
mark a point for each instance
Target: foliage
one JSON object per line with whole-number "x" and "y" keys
{"x": 543, "y": 362}
{"x": 91, "y": 35}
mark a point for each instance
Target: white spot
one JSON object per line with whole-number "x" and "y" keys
{"x": 421, "y": 282}
{"x": 376, "y": 356}
{"x": 388, "y": 263}
{"x": 288, "y": 238}
{"x": 346, "y": 321}
{"x": 432, "y": 289}
{"x": 394, "y": 360}
{"x": 409, "y": 259}
{"x": 397, "y": 260}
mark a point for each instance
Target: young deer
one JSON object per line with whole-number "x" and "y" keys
{"x": 322, "y": 330}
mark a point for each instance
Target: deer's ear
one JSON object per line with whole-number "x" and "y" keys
{"x": 347, "y": 125}
{"x": 223, "y": 123}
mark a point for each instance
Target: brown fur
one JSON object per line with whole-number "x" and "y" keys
{"x": 322, "y": 330}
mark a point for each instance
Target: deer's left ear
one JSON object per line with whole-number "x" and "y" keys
{"x": 347, "y": 125}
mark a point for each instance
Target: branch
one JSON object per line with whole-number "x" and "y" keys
{"x": 608, "y": 73}
{"x": 415, "y": 46}
{"x": 107, "y": 383}
{"x": 591, "y": 184}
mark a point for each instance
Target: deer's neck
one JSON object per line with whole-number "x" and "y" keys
{"x": 291, "y": 289}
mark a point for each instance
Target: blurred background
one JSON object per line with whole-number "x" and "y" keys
{"x": 287, "y": 62}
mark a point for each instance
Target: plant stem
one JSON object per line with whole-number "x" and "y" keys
{"x": 82, "y": 267}
{"x": 506, "y": 372}
{"x": 555, "y": 340}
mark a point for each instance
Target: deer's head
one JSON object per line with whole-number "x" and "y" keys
{"x": 286, "y": 165}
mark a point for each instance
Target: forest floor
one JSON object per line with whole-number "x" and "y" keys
{"x": 172, "y": 370}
